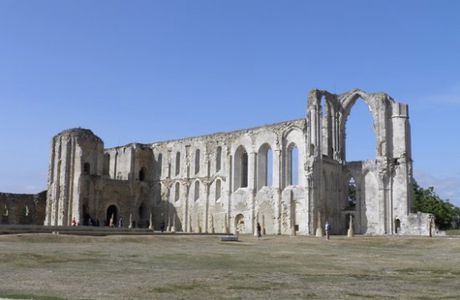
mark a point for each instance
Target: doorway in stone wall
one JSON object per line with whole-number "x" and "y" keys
{"x": 239, "y": 223}
{"x": 397, "y": 225}
{"x": 112, "y": 210}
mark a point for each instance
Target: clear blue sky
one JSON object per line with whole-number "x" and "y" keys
{"x": 153, "y": 70}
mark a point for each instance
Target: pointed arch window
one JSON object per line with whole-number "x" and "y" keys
{"x": 241, "y": 168}
{"x": 177, "y": 163}
{"x": 218, "y": 158}
{"x": 293, "y": 165}
{"x": 197, "y": 161}
{"x": 177, "y": 191}
{"x": 197, "y": 190}
{"x": 264, "y": 166}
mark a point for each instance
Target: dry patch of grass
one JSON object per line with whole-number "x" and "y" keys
{"x": 202, "y": 267}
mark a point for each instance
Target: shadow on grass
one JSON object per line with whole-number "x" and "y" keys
{"x": 172, "y": 288}
{"x": 28, "y": 296}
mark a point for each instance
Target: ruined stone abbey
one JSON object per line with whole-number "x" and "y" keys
{"x": 290, "y": 177}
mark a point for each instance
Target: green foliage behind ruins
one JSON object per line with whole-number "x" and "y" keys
{"x": 447, "y": 216}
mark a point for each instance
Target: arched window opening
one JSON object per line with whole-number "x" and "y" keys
{"x": 112, "y": 214}
{"x": 397, "y": 225}
{"x": 293, "y": 165}
{"x": 218, "y": 189}
{"x": 86, "y": 168}
{"x": 197, "y": 161}
{"x": 177, "y": 163}
{"x": 218, "y": 158}
{"x": 360, "y": 136}
{"x": 197, "y": 190}
{"x": 142, "y": 174}
{"x": 239, "y": 223}
{"x": 244, "y": 170}
{"x": 264, "y": 166}
{"x": 177, "y": 191}
{"x": 351, "y": 195}
{"x": 241, "y": 168}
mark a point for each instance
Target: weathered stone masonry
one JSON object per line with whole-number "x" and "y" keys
{"x": 290, "y": 177}
{"x": 26, "y": 209}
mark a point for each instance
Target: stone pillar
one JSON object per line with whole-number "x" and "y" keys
{"x": 292, "y": 212}
{"x": 227, "y": 216}
{"x": 350, "y": 232}
{"x": 173, "y": 227}
{"x": 151, "y": 221}
{"x": 252, "y": 171}
{"x": 277, "y": 185}
{"x": 186, "y": 208}
{"x": 319, "y": 226}
{"x": 208, "y": 188}
{"x": 402, "y": 161}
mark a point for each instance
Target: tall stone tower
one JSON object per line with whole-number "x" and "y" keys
{"x": 76, "y": 161}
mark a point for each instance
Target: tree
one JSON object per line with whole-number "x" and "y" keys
{"x": 447, "y": 216}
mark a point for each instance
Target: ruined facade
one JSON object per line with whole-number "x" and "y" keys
{"x": 290, "y": 177}
{"x": 27, "y": 209}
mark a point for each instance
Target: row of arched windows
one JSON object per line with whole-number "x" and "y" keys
{"x": 196, "y": 194}
{"x": 264, "y": 172}
{"x": 197, "y": 161}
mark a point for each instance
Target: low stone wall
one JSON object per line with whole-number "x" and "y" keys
{"x": 22, "y": 208}
{"x": 89, "y": 230}
{"x": 418, "y": 224}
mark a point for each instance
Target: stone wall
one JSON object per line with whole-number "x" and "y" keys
{"x": 22, "y": 208}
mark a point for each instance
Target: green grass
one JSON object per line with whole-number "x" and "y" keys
{"x": 27, "y": 296}
{"x": 201, "y": 267}
{"x": 453, "y": 232}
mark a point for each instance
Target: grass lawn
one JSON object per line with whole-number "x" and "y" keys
{"x": 453, "y": 232}
{"x": 44, "y": 266}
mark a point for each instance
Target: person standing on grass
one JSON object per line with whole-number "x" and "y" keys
{"x": 259, "y": 231}
{"x": 327, "y": 228}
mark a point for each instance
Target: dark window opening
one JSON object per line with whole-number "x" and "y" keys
{"x": 218, "y": 158}
{"x": 142, "y": 174}
{"x": 351, "y": 195}
{"x": 177, "y": 163}
{"x": 86, "y": 168}
{"x": 244, "y": 170}
{"x": 397, "y": 225}
{"x": 177, "y": 191}
{"x": 197, "y": 161}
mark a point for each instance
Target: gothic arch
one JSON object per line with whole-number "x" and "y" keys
{"x": 241, "y": 168}
{"x": 264, "y": 166}
{"x": 378, "y": 105}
